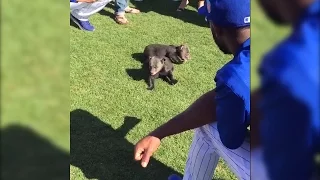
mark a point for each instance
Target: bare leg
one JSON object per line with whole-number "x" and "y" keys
{"x": 183, "y": 5}
{"x": 200, "y": 3}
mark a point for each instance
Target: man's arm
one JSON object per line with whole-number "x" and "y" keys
{"x": 201, "y": 112}
{"x": 232, "y": 117}
{"x": 286, "y": 134}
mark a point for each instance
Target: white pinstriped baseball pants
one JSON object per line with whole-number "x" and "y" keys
{"x": 258, "y": 169}
{"x": 83, "y": 11}
{"x": 204, "y": 153}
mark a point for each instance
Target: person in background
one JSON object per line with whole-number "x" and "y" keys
{"x": 202, "y": 9}
{"x": 289, "y": 92}
{"x": 81, "y": 10}
{"x": 122, "y": 7}
{"x": 184, "y": 4}
{"x": 222, "y": 115}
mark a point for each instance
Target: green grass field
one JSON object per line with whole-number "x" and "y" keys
{"x": 106, "y": 87}
{"x": 116, "y": 110}
{"x": 110, "y": 106}
{"x": 35, "y": 100}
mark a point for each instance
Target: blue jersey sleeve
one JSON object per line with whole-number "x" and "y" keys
{"x": 231, "y": 117}
{"x": 286, "y": 133}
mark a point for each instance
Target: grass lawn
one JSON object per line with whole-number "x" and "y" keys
{"x": 34, "y": 90}
{"x": 110, "y": 111}
{"x": 110, "y": 106}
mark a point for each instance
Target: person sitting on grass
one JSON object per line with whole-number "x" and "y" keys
{"x": 81, "y": 10}
{"x": 221, "y": 116}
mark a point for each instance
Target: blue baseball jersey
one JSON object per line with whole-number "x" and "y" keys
{"x": 290, "y": 126}
{"x": 233, "y": 98}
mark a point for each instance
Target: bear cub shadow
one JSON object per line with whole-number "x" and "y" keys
{"x": 139, "y": 74}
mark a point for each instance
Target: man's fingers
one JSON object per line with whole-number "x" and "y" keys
{"x": 138, "y": 154}
{"x": 144, "y": 149}
{"x": 146, "y": 157}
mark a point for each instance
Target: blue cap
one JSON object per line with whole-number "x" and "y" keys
{"x": 227, "y": 13}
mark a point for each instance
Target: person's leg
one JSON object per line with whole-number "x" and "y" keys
{"x": 81, "y": 21}
{"x": 202, "y": 159}
{"x": 80, "y": 12}
{"x": 183, "y": 5}
{"x": 200, "y": 3}
{"x": 205, "y": 150}
{"x": 84, "y": 10}
{"x": 77, "y": 6}
{"x": 257, "y": 166}
{"x": 238, "y": 160}
{"x": 122, "y": 7}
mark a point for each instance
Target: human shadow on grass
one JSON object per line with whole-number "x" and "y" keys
{"x": 169, "y": 7}
{"x": 26, "y": 155}
{"x": 103, "y": 153}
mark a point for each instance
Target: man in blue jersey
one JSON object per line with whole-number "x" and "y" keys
{"x": 221, "y": 116}
{"x": 289, "y": 92}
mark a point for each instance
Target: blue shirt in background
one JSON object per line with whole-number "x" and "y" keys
{"x": 290, "y": 128}
{"x": 233, "y": 98}
{"x": 203, "y": 9}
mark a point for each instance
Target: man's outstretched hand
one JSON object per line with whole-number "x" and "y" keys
{"x": 188, "y": 119}
{"x": 145, "y": 148}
